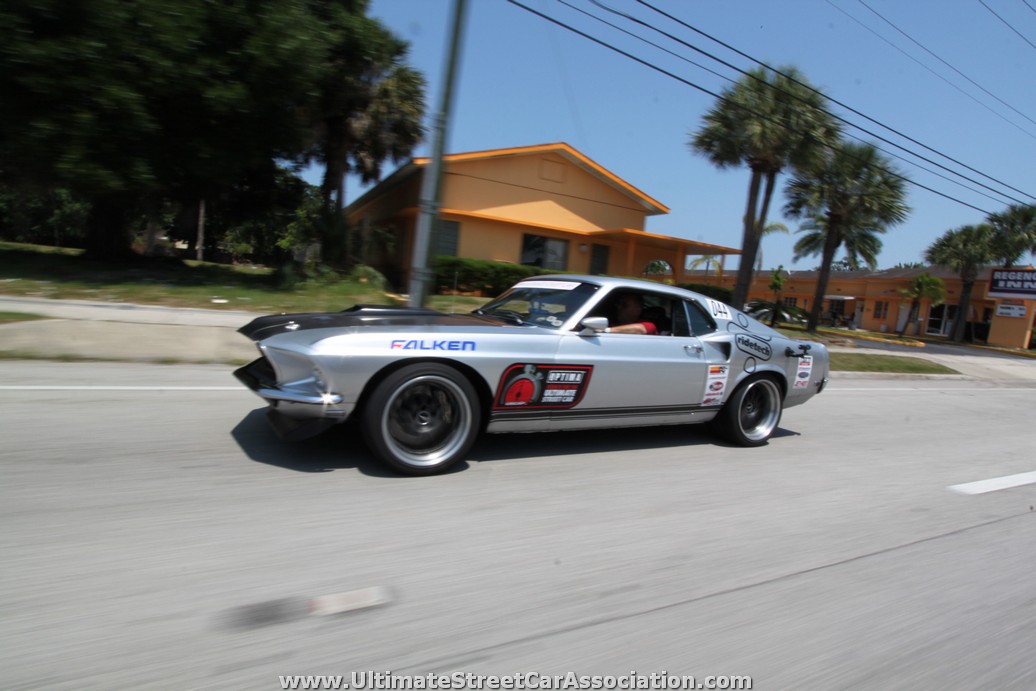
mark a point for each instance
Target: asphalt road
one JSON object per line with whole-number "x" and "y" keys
{"x": 158, "y": 535}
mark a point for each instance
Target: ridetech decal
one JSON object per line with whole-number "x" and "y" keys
{"x": 753, "y": 346}
{"x": 542, "y": 386}
{"x": 421, "y": 344}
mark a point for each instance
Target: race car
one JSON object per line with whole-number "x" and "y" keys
{"x": 543, "y": 356}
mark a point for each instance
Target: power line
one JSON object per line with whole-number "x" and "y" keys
{"x": 1020, "y": 35}
{"x": 850, "y": 109}
{"x": 955, "y": 86}
{"x": 724, "y": 77}
{"x": 715, "y": 95}
{"x": 924, "y": 48}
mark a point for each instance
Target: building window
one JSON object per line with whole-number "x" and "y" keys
{"x": 881, "y": 309}
{"x": 790, "y": 302}
{"x": 599, "y": 259}
{"x": 445, "y": 236}
{"x": 544, "y": 252}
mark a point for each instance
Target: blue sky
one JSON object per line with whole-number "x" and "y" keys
{"x": 523, "y": 80}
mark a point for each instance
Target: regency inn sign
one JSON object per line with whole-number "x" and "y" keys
{"x": 1013, "y": 283}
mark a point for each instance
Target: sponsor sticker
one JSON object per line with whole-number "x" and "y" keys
{"x": 715, "y": 384}
{"x": 556, "y": 285}
{"x": 805, "y": 370}
{"x": 531, "y": 385}
{"x": 432, "y": 344}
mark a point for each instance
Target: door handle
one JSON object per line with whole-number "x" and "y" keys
{"x": 697, "y": 348}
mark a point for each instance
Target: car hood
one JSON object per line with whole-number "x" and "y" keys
{"x": 359, "y": 315}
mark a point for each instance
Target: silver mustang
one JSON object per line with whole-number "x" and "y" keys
{"x": 424, "y": 384}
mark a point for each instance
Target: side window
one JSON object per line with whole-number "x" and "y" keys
{"x": 656, "y": 311}
{"x": 681, "y": 323}
{"x": 700, "y": 321}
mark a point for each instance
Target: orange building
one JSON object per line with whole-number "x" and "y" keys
{"x": 546, "y": 205}
{"x": 872, "y": 300}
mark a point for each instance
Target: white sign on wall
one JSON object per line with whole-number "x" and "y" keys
{"x": 1010, "y": 310}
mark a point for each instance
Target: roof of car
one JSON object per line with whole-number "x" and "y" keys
{"x": 615, "y": 282}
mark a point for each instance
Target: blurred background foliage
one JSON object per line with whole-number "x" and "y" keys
{"x": 132, "y": 128}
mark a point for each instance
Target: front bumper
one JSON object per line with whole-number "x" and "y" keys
{"x": 296, "y": 411}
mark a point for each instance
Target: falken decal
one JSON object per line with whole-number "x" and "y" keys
{"x": 804, "y": 372}
{"x": 542, "y": 386}
{"x": 753, "y": 346}
{"x": 422, "y": 344}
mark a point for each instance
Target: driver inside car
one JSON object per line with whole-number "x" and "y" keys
{"x": 629, "y": 316}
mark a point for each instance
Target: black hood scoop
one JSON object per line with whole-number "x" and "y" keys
{"x": 358, "y": 315}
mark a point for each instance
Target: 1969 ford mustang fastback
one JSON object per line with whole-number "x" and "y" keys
{"x": 542, "y": 356}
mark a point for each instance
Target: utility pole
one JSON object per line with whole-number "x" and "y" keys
{"x": 431, "y": 183}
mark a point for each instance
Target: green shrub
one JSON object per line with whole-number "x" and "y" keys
{"x": 362, "y": 273}
{"x": 716, "y": 292}
{"x": 482, "y": 276}
{"x": 296, "y": 274}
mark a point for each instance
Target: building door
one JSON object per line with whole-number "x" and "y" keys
{"x": 940, "y": 320}
{"x": 599, "y": 259}
{"x": 904, "y": 314}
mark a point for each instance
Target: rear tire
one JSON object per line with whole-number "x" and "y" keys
{"x": 422, "y": 419}
{"x": 752, "y": 414}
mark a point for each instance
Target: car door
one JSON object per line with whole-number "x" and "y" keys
{"x": 637, "y": 379}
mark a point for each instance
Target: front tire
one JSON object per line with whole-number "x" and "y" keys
{"x": 422, "y": 419}
{"x": 751, "y": 415}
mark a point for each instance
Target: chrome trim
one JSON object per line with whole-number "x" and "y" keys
{"x": 319, "y": 399}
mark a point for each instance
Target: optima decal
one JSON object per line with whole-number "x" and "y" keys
{"x": 753, "y": 346}
{"x": 542, "y": 386}
{"x": 421, "y": 344}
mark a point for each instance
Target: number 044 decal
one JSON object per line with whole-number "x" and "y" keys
{"x": 718, "y": 309}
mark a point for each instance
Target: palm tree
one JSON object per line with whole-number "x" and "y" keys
{"x": 371, "y": 104}
{"x": 766, "y": 121}
{"x": 708, "y": 261}
{"x": 770, "y": 229}
{"x": 849, "y": 199}
{"x": 1014, "y": 233}
{"x": 923, "y": 287}
{"x": 861, "y": 249}
{"x": 964, "y": 250}
{"x": 776, "y": 310}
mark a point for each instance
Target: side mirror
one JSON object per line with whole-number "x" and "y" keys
{"x": 592, "y": 325}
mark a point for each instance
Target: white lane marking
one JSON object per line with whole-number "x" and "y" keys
{"x": 337, "y": 603}
{"x": 921, "y": 389}
{"x": 995, "y": 483}
{"x": 122, "y": 388}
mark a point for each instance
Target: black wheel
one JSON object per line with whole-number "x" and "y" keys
{"x": 751, "y": 415}
{"x": 422, "y": 419}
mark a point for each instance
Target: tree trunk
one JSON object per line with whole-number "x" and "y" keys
{"x": 333, "y": 185}
{"x": 831, "y": 243}
{"x": 199, "y": 244}
{"x": 107, "y": 232}
{"x": 152, "y": 228}
{"x": 749, "y": 244}
{"x": 915, "y": 307}
{"x": 962, "y": 309}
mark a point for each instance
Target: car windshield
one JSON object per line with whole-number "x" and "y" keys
{"x": 539, "y": 303}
